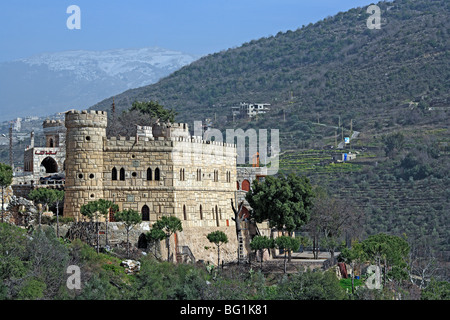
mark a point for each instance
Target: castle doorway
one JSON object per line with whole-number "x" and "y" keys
{"x": 50, "y": 165}
{"x": 145, "y": 213}
{"x": 142, "y": 241}
{"x": 246, "y": 185}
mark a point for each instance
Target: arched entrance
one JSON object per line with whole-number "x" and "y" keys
{"x": 142, "y": 241}
{"x": 50, "y": 165}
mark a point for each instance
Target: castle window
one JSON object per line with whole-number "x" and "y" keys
{"x": 237, "y": 185}
{"x": 80, "y": 176}
{"x": 216, "y": 175}
{"x": 122, "y": 174}
{"x": 91, "y": 176}
{"x": 134, "y": 174}
{"x": 114, "y": 174}
{"x": 157, "y": 174}
{"x": 51, "y": 143}
{"x": 201, "y": 213}
{"x": 145, "y": 213}
{"x": 184, "y": 212}
{"x": 181, "y": 174}
{"x": 199, "y": 174}
{"x": 217, "y": 217}
{"x": 88, "y": 138}
{"x": 149, "y": 174}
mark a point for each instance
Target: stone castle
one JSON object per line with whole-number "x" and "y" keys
{"x": 161, "y": 171}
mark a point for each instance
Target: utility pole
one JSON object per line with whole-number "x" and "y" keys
{"x": 335, "y": 139}
{"x": 351, "y": 133}
{"x": 10, "y": 146}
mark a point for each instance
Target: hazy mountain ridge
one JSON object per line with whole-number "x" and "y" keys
{"x": 54, "y": 82}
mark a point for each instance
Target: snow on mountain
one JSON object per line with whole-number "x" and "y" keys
{"x": 53, "y": 82}
{"x": 93, "y": 65}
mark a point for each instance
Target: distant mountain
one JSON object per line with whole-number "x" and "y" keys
{"x": 54, "y": 82}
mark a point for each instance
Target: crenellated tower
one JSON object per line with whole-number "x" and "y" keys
{"x": 85, "y": 138}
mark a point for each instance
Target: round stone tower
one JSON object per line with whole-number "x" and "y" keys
{"x": 85, "y": 135}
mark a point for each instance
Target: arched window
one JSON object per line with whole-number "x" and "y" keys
{"x": 114, "y": 174}
{"x": 149, "y": 174}
{"x": 184, "y": 212}
{"x": 51, "y": 143}
{"x": 216, "y": 175}
{"x": 122, "y": 174}
{"x": 145, "y": 213}
{"x": 217, "y": 217}
{"x": 157, "y": 176}
{"x": 181, "y": 174}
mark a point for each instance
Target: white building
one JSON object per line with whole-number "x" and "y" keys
{"x": 249, "y": 110}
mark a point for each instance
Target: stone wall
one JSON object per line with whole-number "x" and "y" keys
{"x": 193, "y": 237}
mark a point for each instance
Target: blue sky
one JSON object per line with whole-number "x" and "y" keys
{"x": 192, "y": 26}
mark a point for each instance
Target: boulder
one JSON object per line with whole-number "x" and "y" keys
{"x": 131, "y": 266}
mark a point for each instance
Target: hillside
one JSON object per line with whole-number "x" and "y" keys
{"x": 334, "y": 67}
{"x": 332, "y": 76}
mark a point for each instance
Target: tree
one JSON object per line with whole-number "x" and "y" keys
{"x": 394, "y": 143}
{"x": 352, "y": 256}
{"x": 105, "y": 207}
{"x": 45, "y": 197}
{"x": 13, "y": 258}
{"x": 154, "y": 109}
{"x": 218, "y": 238}
{"x": 436, "y": 290}
{"x": 331, "y": 218}
{"x": 311, "y": 285}
{"x": 261, "y": 243}
{"x": 155, "y": 235}
{"x": 286, "y": 244}
{"x": 130, "y": 218}
{"x": 393, "y": 251}
{"x": 59, "y": 197}
{"x": 91, "y": 211}
{"x": 169, "y": 225}
{"x": 285, "y": 201}
{"x": 6, "y": 176}
{"x": 238, "y": 220}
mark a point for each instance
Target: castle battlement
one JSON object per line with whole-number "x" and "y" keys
{"x": 86, "y": 118}
{"x": 52, "y": 123}
{"x": 164, "y": 141}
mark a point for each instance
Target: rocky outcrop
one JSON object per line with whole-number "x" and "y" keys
{"x": 20, "y": 211}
